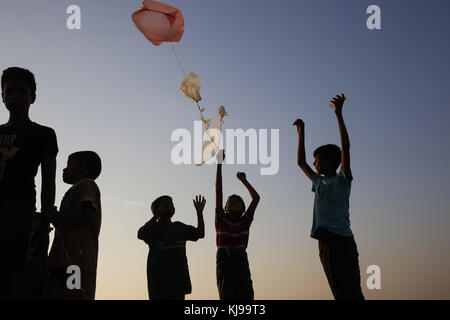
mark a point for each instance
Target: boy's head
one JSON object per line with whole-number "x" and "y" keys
{"x": 82, "y": 165}
{"x": 235, "y": 205}
{"x": 163, "y": 206}
{"x": 18, "y": 89}
{"x": 327, "y": 159}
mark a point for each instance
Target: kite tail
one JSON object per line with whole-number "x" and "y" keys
{"x": 198, "y": 105}
{"x": 206, "y": 129}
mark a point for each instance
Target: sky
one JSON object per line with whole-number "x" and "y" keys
{"x": 106, "y": 88}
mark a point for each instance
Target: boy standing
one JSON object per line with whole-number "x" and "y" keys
{"x": 24, "y": 146}
{"x": 77, "y": 228}
{"x": 167, "y": 267}
{"x": 233, "y": 223}
{"x": 331, "y": 218}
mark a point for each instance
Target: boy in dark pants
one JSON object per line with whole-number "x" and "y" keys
{"x": 24, "y": 146}
{"x": 232, "y": 230}
{"x": 331, "y": 218}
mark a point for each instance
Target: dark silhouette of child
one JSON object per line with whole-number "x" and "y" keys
{"x": 77, "y": 228}
{"x": 331, "y": 218}
{"x": 232, "y": 232}
{"x": 167, "y": 266}
{"x": 24, "y": 146}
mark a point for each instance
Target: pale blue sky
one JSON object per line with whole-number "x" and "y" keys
{"x": 106, "y": 88}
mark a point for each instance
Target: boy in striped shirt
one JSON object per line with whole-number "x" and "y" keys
{"x": 232, "y": 229}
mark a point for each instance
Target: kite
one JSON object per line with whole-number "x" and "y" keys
{"x": 159, "y": 22}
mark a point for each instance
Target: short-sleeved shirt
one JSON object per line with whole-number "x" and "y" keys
{"x": 79, "y": 241}
{"x": 331, "y": 205}
{"x": 232, "y": 231}
{"x": 22, "y": 150}
{"x": 167, "y": 265}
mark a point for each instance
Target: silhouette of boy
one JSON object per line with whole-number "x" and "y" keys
{"x": 77, "y": 228}
{"x": 331, "y": 218}
{"x": 167, "y": 266}
{"x": 232, "y": 231}
{"x": 24, "y": 146}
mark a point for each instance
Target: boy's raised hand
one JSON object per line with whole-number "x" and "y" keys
{"x": 337, "y": 103}
{"x": 220, "y": 156}
{"x": 299, "y": 124}
{"x": 241, "y": 176}
{"x": 199, "y": 203}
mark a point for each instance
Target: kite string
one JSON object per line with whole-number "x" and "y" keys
{"x": 198, "y": 105}
{"x": 178, "y": 59}
{"x": 343, "y": 44}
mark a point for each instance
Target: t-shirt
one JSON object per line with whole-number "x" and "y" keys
{"x": 167, "y": 266}
{"x": 79, "y": 245}
{"x": 22, "y": 150}
{"x": 331, "y": 205}
{"x": 232, "y": 231}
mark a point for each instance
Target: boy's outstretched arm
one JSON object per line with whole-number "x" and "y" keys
{"x": 219, "y": 191}
{"x": 199, "y": 204}
{"x": 338, "y": 103}
{"x": 48, "y": 172}
{"x": 301, "y": 155}
{"x": 255, "y": 196}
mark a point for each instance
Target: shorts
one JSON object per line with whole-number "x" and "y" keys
{"x": 234, "y": 280}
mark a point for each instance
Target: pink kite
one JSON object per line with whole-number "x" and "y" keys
{"x": 159, "y": 22}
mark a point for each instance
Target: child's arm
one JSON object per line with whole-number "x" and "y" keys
{"x": 48, "y": 172}
{"x": 219, "y": 191}
{"x": 145, "y": 231}
{"x": 301, "y": 157}
{"x": 199, "y": 204}
{"x": 255, "y": 196}
{"x": 338, "y": 103}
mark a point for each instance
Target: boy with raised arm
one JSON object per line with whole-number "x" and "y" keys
{"x": 331, "y": 217}
{"x": 232, "y": 231}
{"x": 167, "y": 266}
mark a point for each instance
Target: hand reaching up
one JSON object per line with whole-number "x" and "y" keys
{"x": 199, "y": 203}
{"x": 338, "y": 102}
{"x": 241, "y": 176}
{"x": 300, "y": 125}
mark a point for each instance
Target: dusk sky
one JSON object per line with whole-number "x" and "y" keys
{"x": 107, "y": 88}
